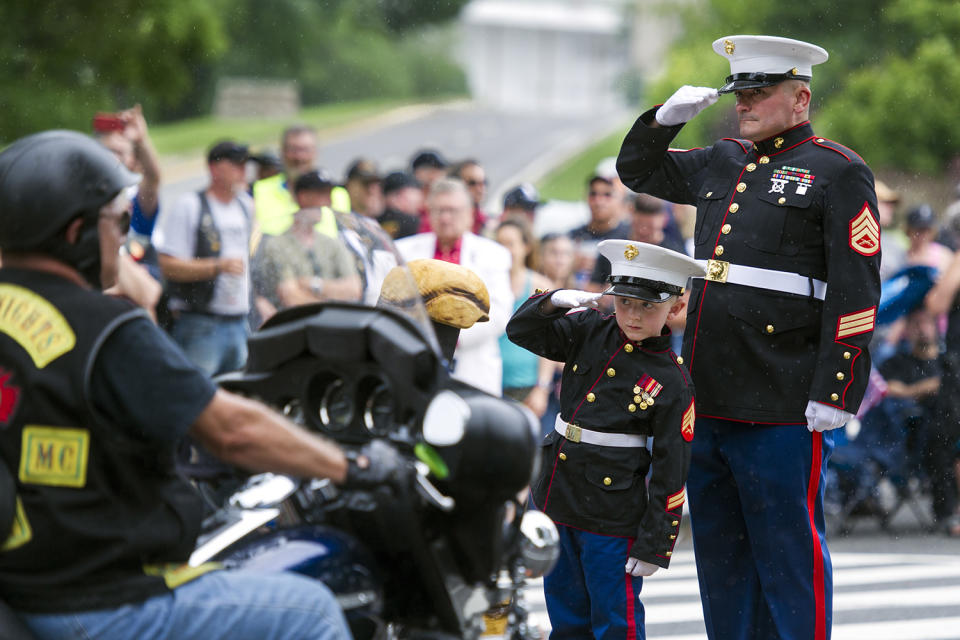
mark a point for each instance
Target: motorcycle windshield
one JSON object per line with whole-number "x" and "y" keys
{"x": 329, "y": 256}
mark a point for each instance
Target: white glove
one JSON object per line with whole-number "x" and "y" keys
{"x": 822, "y": 417}
{"x": 684, "y": 104}
{"x": 638, "y": 568}
{"x": 572, "y": 298}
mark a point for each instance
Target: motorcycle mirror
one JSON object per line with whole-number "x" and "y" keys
{"x": 540, "y": 545}
{"x": 445, "y": 420}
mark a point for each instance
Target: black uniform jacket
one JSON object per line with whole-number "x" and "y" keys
{"x": 606, "y": 384}
{"x": 794, "y": 203}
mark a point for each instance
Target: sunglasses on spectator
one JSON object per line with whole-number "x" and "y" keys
{"x": 476, "y": 183}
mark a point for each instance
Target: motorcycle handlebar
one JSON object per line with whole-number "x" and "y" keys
{"x": 429, "y": 492}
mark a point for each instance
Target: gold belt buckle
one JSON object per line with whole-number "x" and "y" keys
{"x": 717, "y": 270}
{"x": 573, "y": 433}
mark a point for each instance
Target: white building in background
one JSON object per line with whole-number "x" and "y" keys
{"x": 570, "y": 56}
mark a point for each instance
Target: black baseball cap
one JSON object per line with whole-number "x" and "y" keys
{"x": 524, "y": 196}
{"x": 396, "y": 180}
{"x": 267, "y": 158}
{"x": 228, "y": 150}
{"x": 317, "y": 180}
{"x": 429, "y": 158}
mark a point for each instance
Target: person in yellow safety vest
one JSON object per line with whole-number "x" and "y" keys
{"x": 273, "y": 198}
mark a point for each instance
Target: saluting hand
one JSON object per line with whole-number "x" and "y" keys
{"x": 572, "y": 298}
{"x": 684, "y": 104}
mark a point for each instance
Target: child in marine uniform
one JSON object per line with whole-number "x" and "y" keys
{"x": 626, "y": 406}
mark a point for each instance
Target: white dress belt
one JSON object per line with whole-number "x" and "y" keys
{"x": 574, "y": 433}
{"x": 785, "y": 281}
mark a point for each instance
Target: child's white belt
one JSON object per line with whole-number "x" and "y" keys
{"x": 573, "y": 433}
{"x": 720, "y": 271}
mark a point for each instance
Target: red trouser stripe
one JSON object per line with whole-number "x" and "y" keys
{"x": 820, "y": 624}
{"x": 631, "y": 598}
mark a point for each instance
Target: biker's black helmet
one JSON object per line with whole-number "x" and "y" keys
{"x": 47, "y": 179}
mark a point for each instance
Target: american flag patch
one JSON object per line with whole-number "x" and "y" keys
{"x": 676, "y": 500}
{"x": 865, "y": 233}
{"x": 686, "y": 424}
{"x": 856, "y": 323}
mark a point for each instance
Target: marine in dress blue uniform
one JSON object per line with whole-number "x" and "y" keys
{"x": 776, "y": 335}
{"x": 626, "y": 406}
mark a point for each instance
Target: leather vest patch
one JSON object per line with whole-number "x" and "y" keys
{"x": 56, "y": 457}
{"x": 35, "y": 324}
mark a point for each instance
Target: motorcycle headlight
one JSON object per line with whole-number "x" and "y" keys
{"x": 539, "y": 543}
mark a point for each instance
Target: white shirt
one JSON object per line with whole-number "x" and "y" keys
{"x": 175, "y": 234}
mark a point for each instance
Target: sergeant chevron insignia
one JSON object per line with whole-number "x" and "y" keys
{"x": 686, "y": 423}
{"x": 865, "y": 233}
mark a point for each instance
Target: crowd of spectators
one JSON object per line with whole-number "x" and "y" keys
{"x": 269, "y": 233}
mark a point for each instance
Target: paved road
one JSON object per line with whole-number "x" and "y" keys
{"x": 878, "y": 596}
{"x": 896, "y": 584}
{"x": 511, "y": 146}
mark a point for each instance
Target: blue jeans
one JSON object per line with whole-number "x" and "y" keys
{"x": 216, "y": 344}
{"x": 219, "y": 605}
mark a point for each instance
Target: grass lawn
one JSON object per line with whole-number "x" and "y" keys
{"x": 195, "y": 134}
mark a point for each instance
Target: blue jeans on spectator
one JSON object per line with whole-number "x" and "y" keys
{"x": 216, "y": 344}
{"x": 218, "y": 605}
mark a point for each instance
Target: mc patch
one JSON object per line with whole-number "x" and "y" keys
{"x": 54, "y": 456}
{"x": 686, "y": 424}
{"x": 865, "y": 233}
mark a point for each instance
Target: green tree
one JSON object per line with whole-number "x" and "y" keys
{"x": 888, "y": 89}
{"x": 340, "y": 50}
{"x": 62, "y": 61}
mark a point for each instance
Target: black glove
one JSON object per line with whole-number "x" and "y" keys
{"x": 375, "y": 464}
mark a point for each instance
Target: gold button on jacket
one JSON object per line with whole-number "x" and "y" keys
{"x": 784, "y": 222}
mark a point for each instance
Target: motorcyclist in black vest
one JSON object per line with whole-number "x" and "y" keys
{"x": 93, "y": 398}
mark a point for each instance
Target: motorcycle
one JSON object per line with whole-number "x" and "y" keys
{"x": 436, "y": 549}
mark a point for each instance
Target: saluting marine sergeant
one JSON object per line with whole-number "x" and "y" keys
{"x": 626, "y": 405}
{"x": 776, "y": 335}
